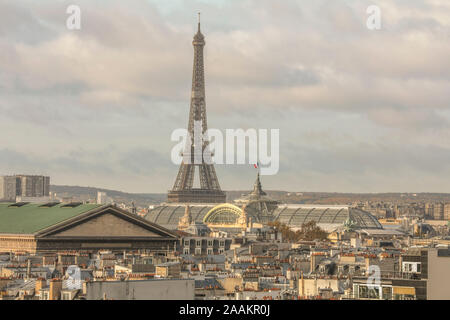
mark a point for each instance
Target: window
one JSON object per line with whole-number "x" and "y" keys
{"x": 221, "y": 250}
{"x": 209, "y": 251}
{"x": 411, "y": 267}
{"x": 186, "y": 251}
{"x": 210, "y": 243}
{"x": 66, "y": 296}
{"x": 187, "y": 243}
{"x": 363, "y": 292}
{"x": 222, "y": 243}
{"x": 374, "y": 292}
{"x": 198, "y": 243}
{"x": 198, "y": 251}
{"x": 366, "y": 292}
{"x": 387, "y": 293}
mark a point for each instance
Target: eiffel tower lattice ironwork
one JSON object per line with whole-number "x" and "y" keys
{"x": 183, "y": 190}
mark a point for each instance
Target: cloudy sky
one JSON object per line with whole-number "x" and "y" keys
{"x": 358, "y": 110}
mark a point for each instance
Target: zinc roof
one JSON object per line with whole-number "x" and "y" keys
{"x": 33, "y": 217}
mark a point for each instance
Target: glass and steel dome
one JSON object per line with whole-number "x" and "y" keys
{"x": 168, "y": 216}
{"x": 223, "y": 214}
{"x": 327, "y": 217}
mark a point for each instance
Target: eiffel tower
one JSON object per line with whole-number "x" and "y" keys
{"x": 183, "y": 190}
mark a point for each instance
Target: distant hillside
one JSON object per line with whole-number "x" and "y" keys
{"x": 346, "y": 198}
{"x": 146, "y": 199}
{"x": 90, "y": 193}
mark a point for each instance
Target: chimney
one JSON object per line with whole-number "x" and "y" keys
{"x": 55, "y": 289}
{"x": 314, "y": 261}
{"x": 303, "y": 285}
{"x": 85, "y": 287}
{"x": 29, "y": 269}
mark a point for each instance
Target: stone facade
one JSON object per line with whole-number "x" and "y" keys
{"x": 109, "y": 228}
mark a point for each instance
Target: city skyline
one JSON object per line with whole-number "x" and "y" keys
{"x": 358, "y": 110}
{"x": 224, "y": 154}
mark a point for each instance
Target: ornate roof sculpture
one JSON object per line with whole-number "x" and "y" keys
{"x": 186, "y": 220}
{"x": 169, "y": 215}
{"x": 187, "y": 224}
{"x": 349, "y": 225}
{"x": 198, "y": 229}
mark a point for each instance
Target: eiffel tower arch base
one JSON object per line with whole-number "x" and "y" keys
{"x": 196, "y": 196}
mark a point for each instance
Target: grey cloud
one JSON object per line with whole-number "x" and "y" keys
{"x": 122, "y": 83}
{"x": 13, "y": 160}
{"x": 29, "y": 162}
{"x": 18, "y": 23}
{"x": 408, "y": 118}
{"x": 145, "y": 161}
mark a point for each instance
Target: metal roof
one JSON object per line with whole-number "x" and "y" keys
{"x": 292, "y": 215}
{"x": 296, "y": 215}
{"x": 169, "y": 215}
{"x": 33, "y": 217}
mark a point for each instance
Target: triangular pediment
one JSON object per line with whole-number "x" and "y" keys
{"x": 110, "y": 223}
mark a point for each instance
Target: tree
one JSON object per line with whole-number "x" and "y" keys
{"x": 309, "y": 231}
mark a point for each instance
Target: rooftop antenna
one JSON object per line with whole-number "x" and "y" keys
{"x": 198, "y": 21}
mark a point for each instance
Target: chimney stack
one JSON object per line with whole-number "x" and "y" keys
{"x": 55, "y": 289}
{"x": 29, "y": 269}
{"x": 40, "y": 284}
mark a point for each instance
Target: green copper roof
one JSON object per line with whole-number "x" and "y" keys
{"x": 33, "y": 217}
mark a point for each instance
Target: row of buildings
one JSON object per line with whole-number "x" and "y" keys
{"x": 437, "y": 211}
{"x": 213, "y": 251}
{"x": 425, "y": 210}
{"x": 238, "y": 268}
